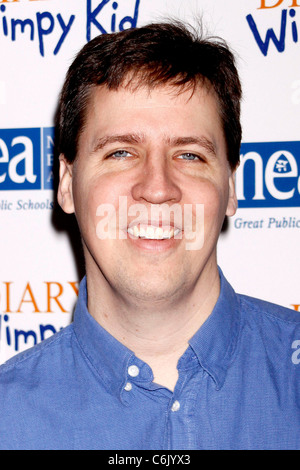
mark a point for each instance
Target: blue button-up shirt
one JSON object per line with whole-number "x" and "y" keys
{"x": 238, "y": 386}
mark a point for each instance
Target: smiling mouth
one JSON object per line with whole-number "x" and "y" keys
{"x": 151, "y": 232}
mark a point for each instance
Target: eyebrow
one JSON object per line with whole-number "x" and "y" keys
{"x": 121, "y": 138}
{"x": 195, "y": 140}
{"x": 139, "y": 138}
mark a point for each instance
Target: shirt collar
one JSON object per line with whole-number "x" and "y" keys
{"x": 108, "y": 357}
{"x": 214, "y": 343}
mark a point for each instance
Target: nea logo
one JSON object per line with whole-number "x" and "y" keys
{"x": 26, "y": 158}
{"x": 268, "y": 175}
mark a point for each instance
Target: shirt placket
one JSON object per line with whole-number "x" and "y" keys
{"x": 181, "y": 422}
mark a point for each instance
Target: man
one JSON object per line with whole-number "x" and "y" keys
{"x": 162, "y": 353}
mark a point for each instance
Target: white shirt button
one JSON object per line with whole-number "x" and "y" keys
{"x": 175, "y": 406}
{"x": 133, "y": 371}
{"x": 128, "y": 387}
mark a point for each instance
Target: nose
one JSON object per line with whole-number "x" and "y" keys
{"x": 156, "y": 184}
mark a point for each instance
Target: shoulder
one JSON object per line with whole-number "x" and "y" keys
{"x": 45, "y": 354}
{"x": 32, "y": 385}
{"x": 261, "y": 309}
{"x": 271, "y": 329}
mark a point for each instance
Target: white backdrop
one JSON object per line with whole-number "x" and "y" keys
{"x": 259, "y": 250}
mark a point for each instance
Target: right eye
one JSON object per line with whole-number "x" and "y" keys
{"x": 119, "y": 154}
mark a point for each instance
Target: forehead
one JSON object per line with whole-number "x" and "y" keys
{"x": 137, "y": 94}
{"x": 164, "y": 111}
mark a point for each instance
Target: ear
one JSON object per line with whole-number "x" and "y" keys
{"x": 232, "y": 199}
{"x": 64, "y": 193}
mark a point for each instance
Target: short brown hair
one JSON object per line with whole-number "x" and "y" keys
{"x": 157, "y": 54}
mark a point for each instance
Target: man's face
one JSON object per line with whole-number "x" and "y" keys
{"x": 155, "y": 149}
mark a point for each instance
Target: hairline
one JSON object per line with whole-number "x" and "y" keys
{"x": 135, "y": 83}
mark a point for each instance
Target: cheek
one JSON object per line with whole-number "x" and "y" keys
{"x": 97, "y": 204}
{"x": 210, "y": 194}
{"x": 213, "y": 200}
{"x": 85, "y": 196}
{"x": 108, "y": 188}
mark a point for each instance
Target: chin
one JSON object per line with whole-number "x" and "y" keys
{"x": 154, "y": 290}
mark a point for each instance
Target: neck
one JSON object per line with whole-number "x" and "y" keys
{"x": 157, "y": 332}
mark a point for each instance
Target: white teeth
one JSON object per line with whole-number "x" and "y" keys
{"x": 135, "y": 231}
{"x": 142, "y": 232}
{"x": 160, "y": 232}
{"x": 152, "y": 233}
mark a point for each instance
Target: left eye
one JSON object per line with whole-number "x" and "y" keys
{"x": 189, "y": 156}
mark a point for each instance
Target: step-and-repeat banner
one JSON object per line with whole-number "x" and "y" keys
{"x": 40, "y": 257}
